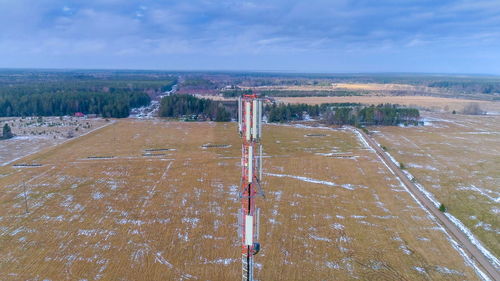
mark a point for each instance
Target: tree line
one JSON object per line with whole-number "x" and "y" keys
{"x": 344, "y": 114}
{"x": 290, "y": 112}
{"x": 235, "y": 92}
{"x": 115, "y": 104}
{"x": 193, "y": 108}
{"x": 474, "y": 86}
{"x": 382, "y": 114}
{"x": 293, "y": 112}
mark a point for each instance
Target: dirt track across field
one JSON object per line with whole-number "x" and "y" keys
{"x": 470, "y": 248}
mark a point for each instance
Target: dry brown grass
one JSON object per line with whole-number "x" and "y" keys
{"x": 173, "y": 217}
{"x": 376, "y": 86}
{"x": 457, "y": 158}
{"x": 428, "y": 102}
{"x": 368, "y": 87}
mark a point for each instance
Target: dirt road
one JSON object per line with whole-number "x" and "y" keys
{"x": 466, "y": 244}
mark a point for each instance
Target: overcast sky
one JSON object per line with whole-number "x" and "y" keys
{"x": 437, "y": 36}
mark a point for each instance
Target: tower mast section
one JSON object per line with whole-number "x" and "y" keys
{"x": 250, "y": 129}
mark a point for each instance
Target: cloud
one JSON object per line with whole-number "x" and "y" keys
{"x": 270, "y": 32}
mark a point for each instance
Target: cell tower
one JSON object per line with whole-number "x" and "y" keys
{"x": 250, "y": 129}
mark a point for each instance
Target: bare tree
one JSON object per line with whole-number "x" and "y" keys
{"x": 473, "y": 108}
{"x": 70, "y": 134}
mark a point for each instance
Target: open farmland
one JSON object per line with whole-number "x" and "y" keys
{"x": 363, "y": 87}
{"x": 144, "y": 200}
{"x": 425, "y": 102}
{"x": 457, "y": 159}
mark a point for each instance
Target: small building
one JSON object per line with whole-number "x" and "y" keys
{"x": 79, "y": 114}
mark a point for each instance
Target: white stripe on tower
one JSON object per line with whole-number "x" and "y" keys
{"x": 247, "y": 120}
{"x": 250, "y": 164}
{"x": 254, "y": 120}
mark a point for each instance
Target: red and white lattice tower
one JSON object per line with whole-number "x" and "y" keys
{"x": 250, "y": 129}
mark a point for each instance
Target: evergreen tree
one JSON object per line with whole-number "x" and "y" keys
{"x": 7, "y": 132}
{"x": 222, "y": 115}
{"x": 188, "y": 105}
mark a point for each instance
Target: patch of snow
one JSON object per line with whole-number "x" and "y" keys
{"x": 273, "y": 221}
{"x": 319, "y": 238}
{"x": 418, "y": 166}
{"x": 483, "y": 191}
{"x": 97, "y": 195}
{"x": 358, "y": 217}
{"x": 493, "y": 259}
{"x": 420, "y": 269}
{"x": 305, "y": 179}
{"x": 233, "y": 192}
{"x": 353, "y": 186}
{"x": 193, "y": 221}
{"x": 67, "y": 201}
{"x": 337, "y": 226}
{"x": 159, "y": 258}
{"x": 278, "y": 195}
{"x": 130, "y": 221}
{"x": 332, "y": 265}
{"x": 427, "y": 194}
{"x": 21, "y": 229}
{"x": 94, "y": 232}
{"x": 49, "y": 218}
{"x": 226, "y": 261}
{"x": 487, "y": 227}
{"x": 184, "y": 237}
{"x": 446, "y": 270}
{"x": 405, "y": 249}
{"x": 361, "y": 139}
{"x": 385, "y": 217}
{"x": 343, "y": 249}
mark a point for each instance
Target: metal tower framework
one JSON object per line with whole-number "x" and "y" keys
{"x": 250, "y": 129}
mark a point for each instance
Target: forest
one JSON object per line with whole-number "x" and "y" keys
{"x": 235, "y": 92}
{"x": 344, "y": 114}
{"x": 56, "y": 93}
{"x": 193, "y": 108}
{"x": 116, "y": 104}
{"x": 382, "y": 114}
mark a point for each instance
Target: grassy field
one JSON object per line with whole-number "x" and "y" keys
{"x": 102, "y": 208}
{"x": 426, "y": 102}
{"x": 457, "y": 158}
{"x": 363, "y": 87}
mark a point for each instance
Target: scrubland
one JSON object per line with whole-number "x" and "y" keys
{"x": 101, "y": 208}
{"x": 35, "y": 133}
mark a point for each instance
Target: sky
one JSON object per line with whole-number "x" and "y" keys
{"x": 430, "y": 36}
